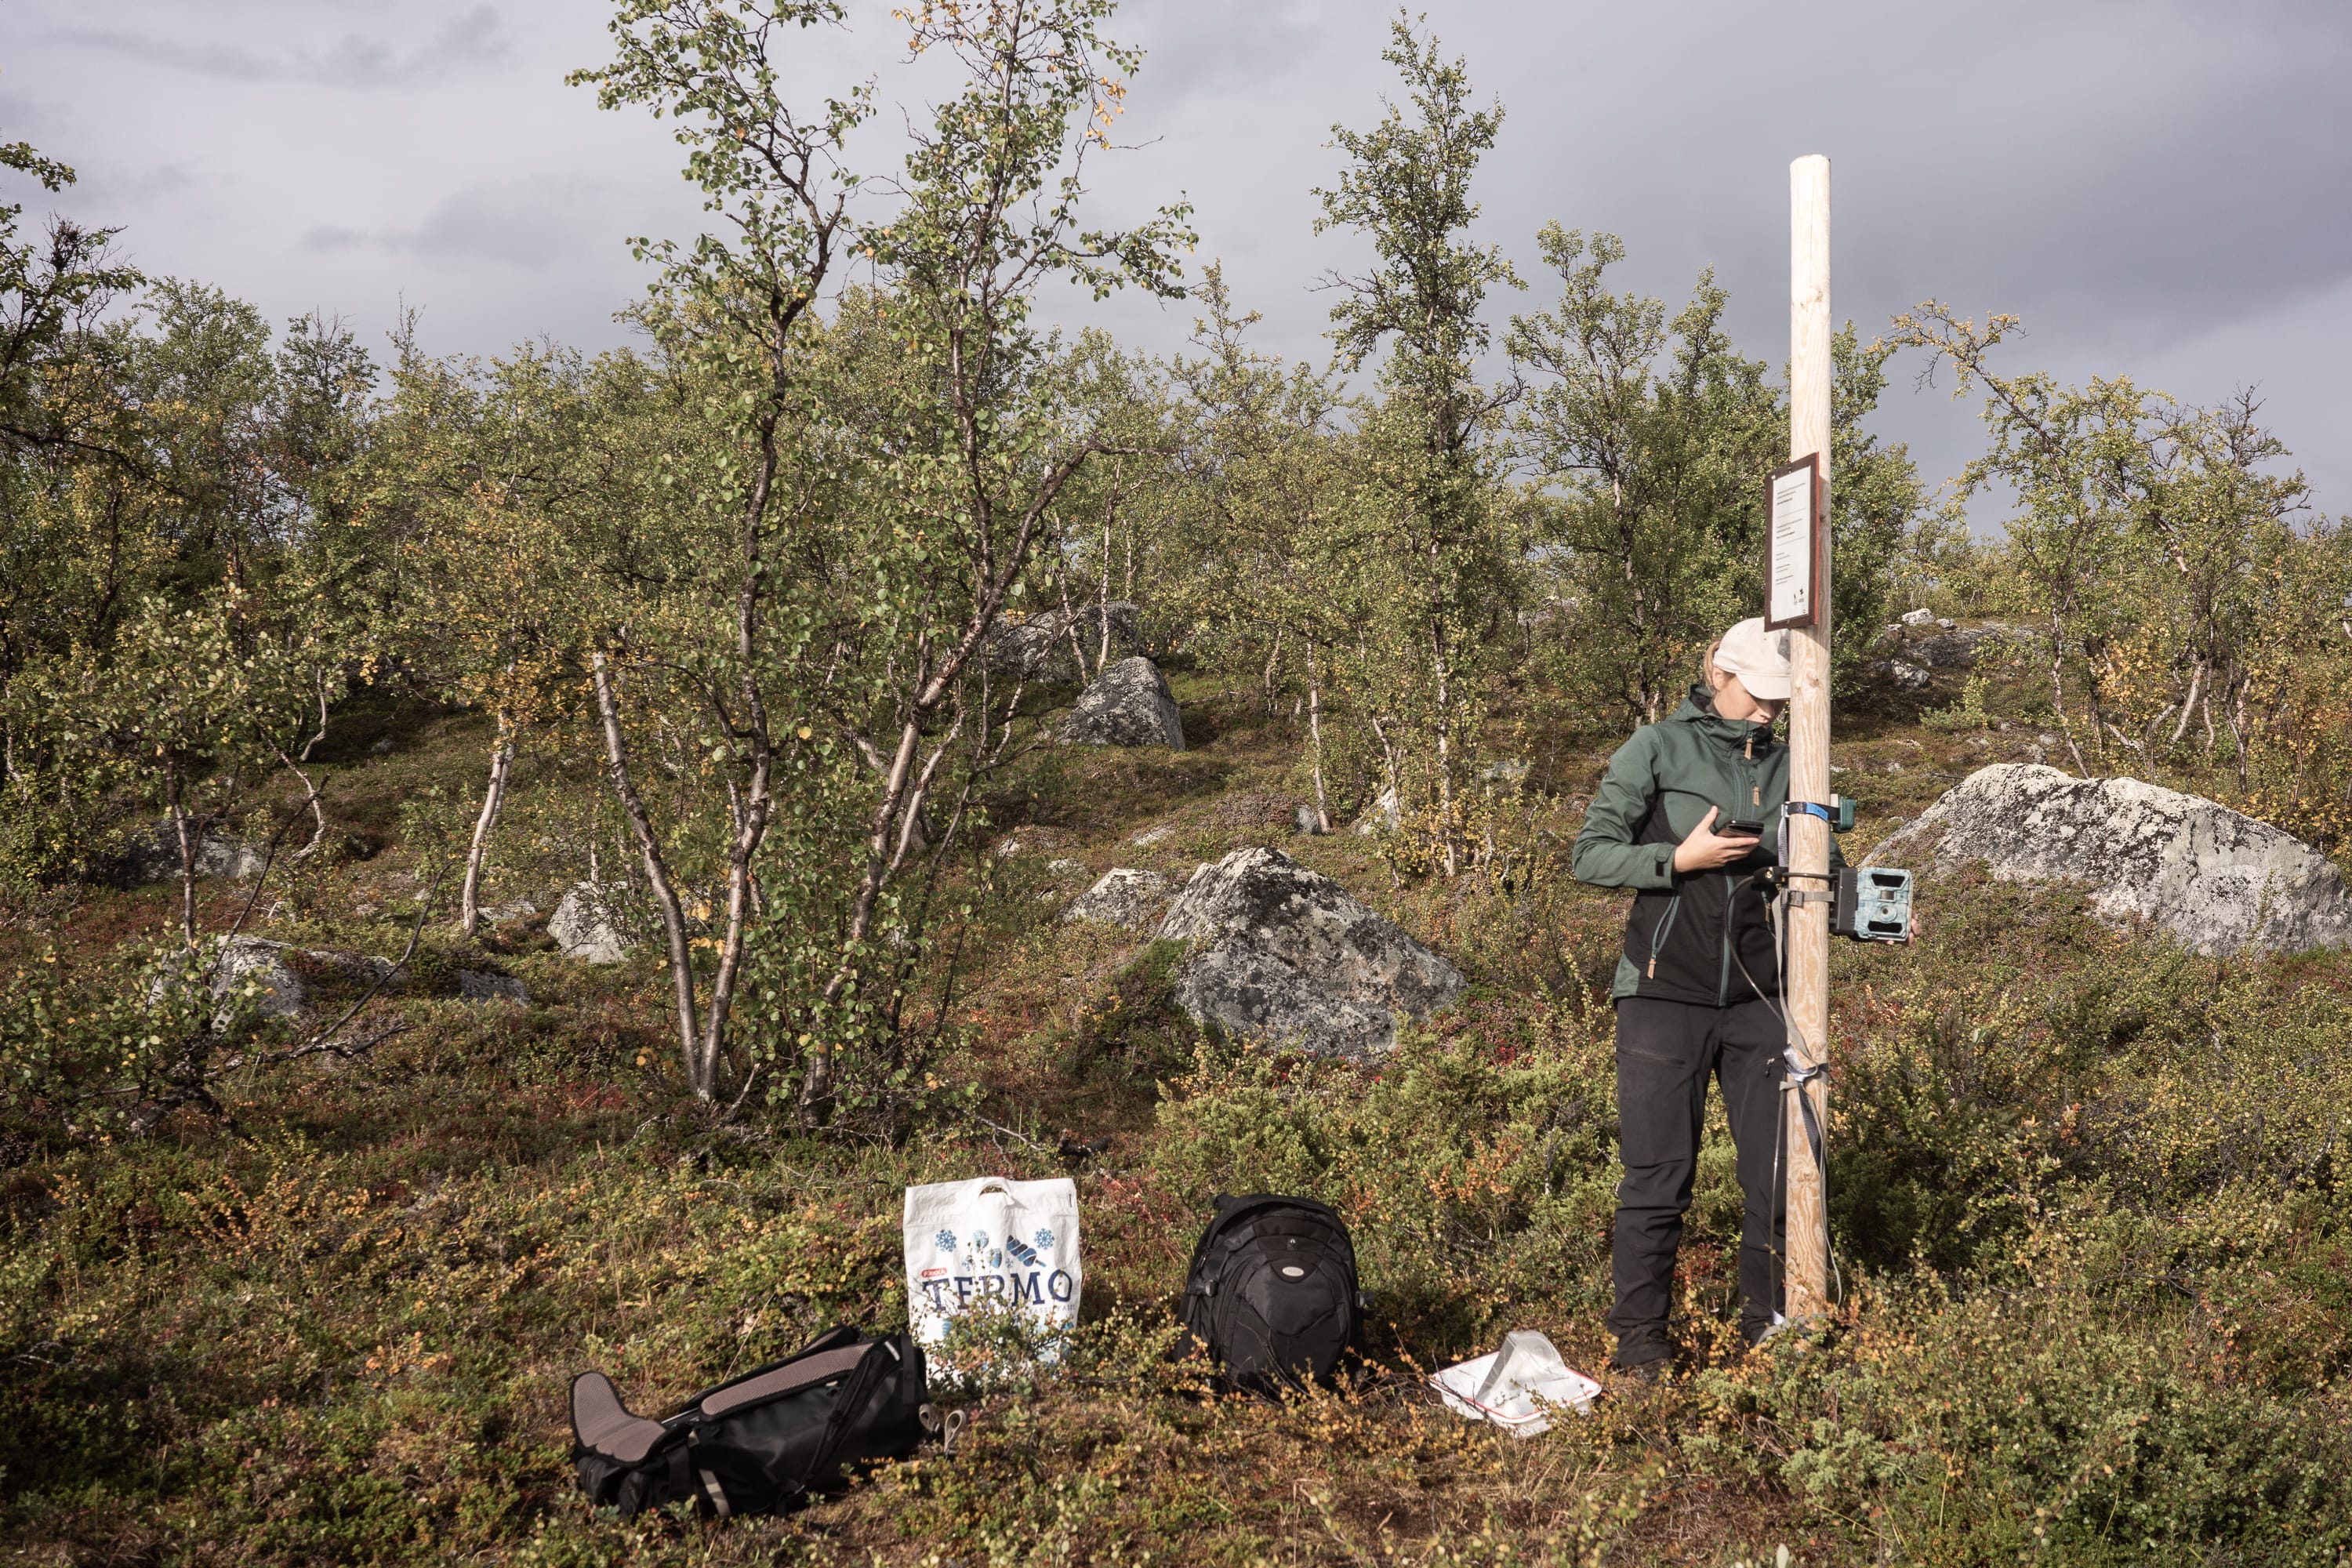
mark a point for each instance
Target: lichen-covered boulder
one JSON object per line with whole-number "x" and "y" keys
{"x": 1040, "y": 646}
{"x": 250, "y": 961}
{"x": 583, "y": 927}
{"x": 1284, "y": 953}
{"x": 1902, "y": 674}
{"x": 226, "y": 966}
{"x": 1124, "y": 897}
{"x": 1128, "y": 704}
{"x": 2218, "y": 880}
{"x": 153, "y": 855}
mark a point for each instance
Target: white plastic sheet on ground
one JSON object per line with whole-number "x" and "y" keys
{"x": 1518, "y": 1387}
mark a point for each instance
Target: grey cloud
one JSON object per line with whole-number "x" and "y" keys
{"x": 472, "y": 39}
{"x": 527, "y": 222}
{"x": 327, "y": 241}
{"x": 2154, "y": 185}
{"x": 1224, "y": 48}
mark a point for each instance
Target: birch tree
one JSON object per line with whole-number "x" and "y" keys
{"x": 1430, "y": 472}
{"x": 736, "y": 300}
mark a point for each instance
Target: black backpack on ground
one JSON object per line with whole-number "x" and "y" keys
{"x": 1272, "y": 1293}
{"x": 759, "y": 1443}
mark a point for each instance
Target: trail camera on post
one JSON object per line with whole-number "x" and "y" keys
{"x": 1801, "y": 602}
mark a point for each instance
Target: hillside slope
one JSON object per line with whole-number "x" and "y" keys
{"x": 2087, "y": 1198}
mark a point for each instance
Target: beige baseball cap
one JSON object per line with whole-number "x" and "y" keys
{"x": 1760, "y": 659}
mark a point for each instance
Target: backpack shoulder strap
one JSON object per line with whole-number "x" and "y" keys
{"x": 725, "y": 1396}
{"x": 875, "y": 1360}
{"x": 603, "y": 1424}
{"x": 804, "y": 1371}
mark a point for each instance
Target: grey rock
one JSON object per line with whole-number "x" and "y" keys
{"x": 1903, "y": 673}
{"x": 249, "y": 961}
{"x": 584, "y": 926}
{"x": 1038, "y": 647}
{"x": 360, "y": 966}
{"x": 1286, "y": 953}
{"x": 1918, "y": 618}
{"x": 1124, "y": 897}
{"x": 2218, "y": 880}
{"x": 381, "y": 748}
{"x": 1308, "y": 821}
{"x": 1383, "y": 816}
{"x": 232, "y": 964}
{"x": 481, "y": 985}
{"x": 1127, "y": 705}
{"x": 507, "y": 914}
{"x": 1946, "y": 622}
{"x": 1507, "y": 772}
{"x": 154, "y": 856}
{"x": 1063, "y": 866}
{"x": 1164, "y": 830}
{"x": 1954, "y": 649}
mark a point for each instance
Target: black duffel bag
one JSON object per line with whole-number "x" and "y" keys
{"x": 760, "y": 1443}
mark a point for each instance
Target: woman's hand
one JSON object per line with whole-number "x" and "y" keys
{"x": 1707, "y": 850}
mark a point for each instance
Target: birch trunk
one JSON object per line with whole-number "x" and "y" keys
{"x": 1444, "y": 752}
{"x": 681, "y": 954}
{"x": 1102, "y": 600}
{"x": 188, "y": 843}
{"x": 1314, "y": 736}
{"x": 494, "y": 799}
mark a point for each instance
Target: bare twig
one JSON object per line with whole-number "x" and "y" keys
{"x": 1009, "y": 1132}
{"x": 323, "y": 1046}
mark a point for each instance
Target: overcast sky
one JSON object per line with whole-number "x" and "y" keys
{"x": 2158, "y": 188}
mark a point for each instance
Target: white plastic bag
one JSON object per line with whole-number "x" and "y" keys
{"x": 1517, "y": 1387}
{"x": 994, "y": 1246}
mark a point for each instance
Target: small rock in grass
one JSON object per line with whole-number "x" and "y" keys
{"x": 1906, "y": 676}
{"x": 479, "y": 985}
{"x": 1124, "y": 897}
{"x": 1383, "y": 816}
{"x": 583, "y": 927}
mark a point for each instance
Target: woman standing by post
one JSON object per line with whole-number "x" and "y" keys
{"x": 1685, "y": 817}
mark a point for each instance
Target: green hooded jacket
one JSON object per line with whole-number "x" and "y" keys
{"x": 1703, "y": 937}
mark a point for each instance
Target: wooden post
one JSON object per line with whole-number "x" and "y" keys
{"x": 1809, "y": 743}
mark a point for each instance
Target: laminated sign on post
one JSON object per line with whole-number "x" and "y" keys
{"x": 1792, "y": 568}
{"x": 993, "y": 1245}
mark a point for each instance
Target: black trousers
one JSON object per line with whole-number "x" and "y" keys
{"x": 1666, "y": 1052}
